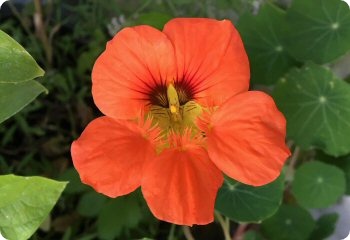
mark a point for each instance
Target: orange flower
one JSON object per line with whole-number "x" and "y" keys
{"x": 178, "y": 114}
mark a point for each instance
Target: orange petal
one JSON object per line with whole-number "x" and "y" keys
{"x": 211, "y": 58}
{"x": 110, "y": 155}
{"x": 246, "y": 138}
{"x": 181, "y": 184}
{"x": 136, "y": 61}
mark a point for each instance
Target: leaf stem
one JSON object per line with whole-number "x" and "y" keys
{"x": 172, "y": 232}
{"x": 187, "y": 233}
{"x": 292, "y": 163}
{"x": 225, "y": 225}
{"x": 40, "y": 29}
{"x": 240, "y": 231}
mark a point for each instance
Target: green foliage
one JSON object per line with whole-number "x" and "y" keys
{"x": 318, "y": 30}
{"x": 154, "y": 19}
{"x": 263, "y": 38}
{"x": 342, "y": 163}
{"x": 243, "y": 203}
{"x": 325, "y": 226}
{"x": 17, "y": 69}
{"x": 15, "y": 96}
{"x": 14, "y": 59}
{"x": 252, "y": 235}
{"x": 318, "y": 185}
{"x": 88, "y": 200}
{"x": 289, "y": 223}
{"x": 75, "y": 185}
{"x": 24, "y": 204}
{"x": 317, "y": 107}
{"x": 116, "y": 215}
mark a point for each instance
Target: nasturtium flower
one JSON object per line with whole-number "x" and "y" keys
{"x": 178, "y": 116}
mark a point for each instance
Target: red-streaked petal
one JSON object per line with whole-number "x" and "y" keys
{"x": 246, "y": 138}
{"x": 110, "y": 155}
{"x": 135, "y": 61}
{"x": 210, "y": 57}
{"x": 181, "y": 184}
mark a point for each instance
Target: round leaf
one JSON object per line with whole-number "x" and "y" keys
{"x": 325, "y": 226}
{"x": 252, "y": 235}
{"x": 25, "y": 202}
{"x": 318, "y": 185}
{"x": 317, "y": 107}
{"x": 89, "y": 199}
{"x": 116, "y": 215}
{"x": 318, "y": 30}
{"x": 289, "y": 223}
{"x": 244, "y": 203}
{"x": 16, "y": 65}
{"x": 262, "y": 36}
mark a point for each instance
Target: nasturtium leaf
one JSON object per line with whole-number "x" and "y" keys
{"x": 342, "y": 162}
{"x": 244, "y": 203}
{"x": 318, "y": 30}
{"x": 252, "y": 235}
{"x": 16, "y": 64}
{"x": 318, "y": 185}
{"x": 325, "y": 226}
{"x": 89, "y": 199}
{"x": 317, "y": 107}
{"x": 289, "y": 223}
{"x": 25, "y": 202}
{"x": 117, "y": 215}
{"x": 15, "y": 96}
{"x": 263, "y": 38}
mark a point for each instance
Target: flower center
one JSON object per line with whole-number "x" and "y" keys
{"x": 178, "y": 113}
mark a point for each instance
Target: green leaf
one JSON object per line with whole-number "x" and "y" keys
{"x": 16, "y": 65}
{"x": 318, "y": 30}
{"x": 318, "y": 185}
{"x": 325, "y": 226}
{"x": 263, "y": 38}
{"x": 154, "y": 19}
{"x": 25, "y": 202}
{"x": 341, "y": 162}
{"x": 15, "y": 96}
{"x": 289, "y": 223}
{"x": 75, "y": 185}
{"x": 244, "y": 203}
{"x": 317, "y": 107}
{"x": 252, "y": 235}
{"x": 117, "y": 215}
{"x": 91, "y": 199}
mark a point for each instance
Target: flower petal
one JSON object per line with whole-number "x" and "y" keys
{"x": 211, "y": 58}
{"x": 136, "y": 61}
{"x": 181, "y": 184}
{"x": 246, "y": 138}
{"x": 110, "y": 155}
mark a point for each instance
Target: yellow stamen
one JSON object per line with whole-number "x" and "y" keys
{"x": 173, "y": 109}
{"x": 174, "y": 104}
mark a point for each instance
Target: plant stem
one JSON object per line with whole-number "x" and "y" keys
{"x": 187, "y": 233}
{"x": 40, "y": 28}
{"x": 240, "y": 231}
{"x": 291, "y": 166}
{"x": 225, "y": 225}
{"x": 172, "y": 232}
